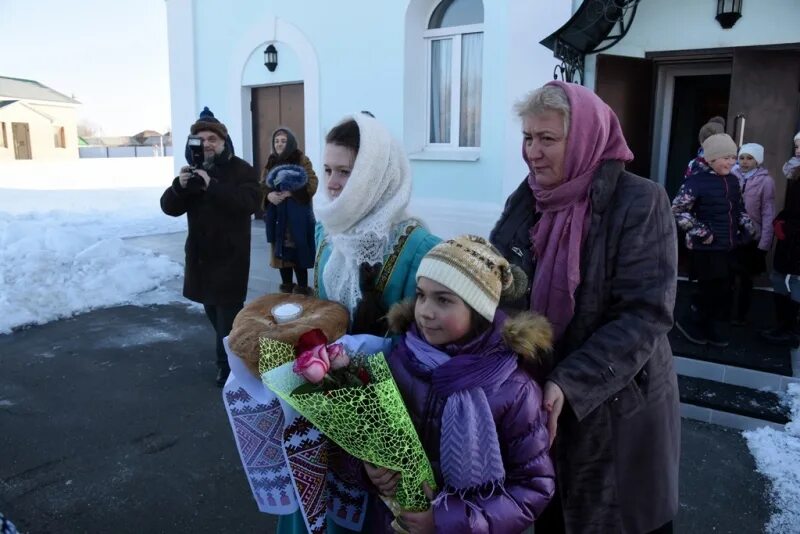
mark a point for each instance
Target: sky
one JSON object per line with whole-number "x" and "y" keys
{"x": 110, "y": 54}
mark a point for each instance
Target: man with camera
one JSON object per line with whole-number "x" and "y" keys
{"x": 218, "y": 192}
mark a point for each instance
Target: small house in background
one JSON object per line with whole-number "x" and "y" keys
{"x": 36, "y": 122}
{"x": 147, "y": 143}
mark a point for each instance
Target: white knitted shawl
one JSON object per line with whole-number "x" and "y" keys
{"x": 358, "y": 223}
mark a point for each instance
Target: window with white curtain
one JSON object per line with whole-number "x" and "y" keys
{"x": 454, "y": 41}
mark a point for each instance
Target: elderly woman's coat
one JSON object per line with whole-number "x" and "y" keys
{"x": 618, "y": 437}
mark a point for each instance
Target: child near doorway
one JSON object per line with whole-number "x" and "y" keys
{"x": 709, "y": 208}
{"x": 758, "y": 194}
{"x": 786, "y": 264}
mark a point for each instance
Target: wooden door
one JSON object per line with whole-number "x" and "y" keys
{"x": 272, "y": 107}
{"x": 764, "y": 88}
{"x": 626, "y": 84}
{"x": 22, "y": 140}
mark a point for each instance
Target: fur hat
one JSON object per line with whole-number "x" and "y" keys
{"x": 207, "y": 122}
{"x": 718, "y": 146}
{"x": 474, "y": 270}
{"x": 755, "y": 150}
{"x": 715, "y": 125}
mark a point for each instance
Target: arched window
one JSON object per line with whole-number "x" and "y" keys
{"x": 454, "y": 40}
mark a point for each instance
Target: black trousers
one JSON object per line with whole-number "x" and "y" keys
{"x": 301, "y": 274}
{"x": 551, "y": 520}
{"x": 221, "y": 318}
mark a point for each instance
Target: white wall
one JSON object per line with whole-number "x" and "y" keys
{"x": 353, "y": 55}
{"x": 662, "y": 25}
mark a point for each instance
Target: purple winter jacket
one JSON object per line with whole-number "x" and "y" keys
{"x": 521, "y": 429}
{"x": 758, "y": 194}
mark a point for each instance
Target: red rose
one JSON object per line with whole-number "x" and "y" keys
{"x": 313, "y": 364}
{"x": 337, "y": 356}
{"x": 363, "y": 375}
{"x": 309, "y": 340}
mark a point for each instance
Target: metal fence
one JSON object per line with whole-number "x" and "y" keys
{"x": 123, "y": 151}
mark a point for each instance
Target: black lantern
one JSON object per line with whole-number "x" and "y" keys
{"x": 271, "y": 58}
{"x": 728, "y": 12}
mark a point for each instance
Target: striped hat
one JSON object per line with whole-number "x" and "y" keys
{"x": 473, "y": 269}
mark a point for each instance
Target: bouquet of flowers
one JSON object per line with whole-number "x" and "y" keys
{"x": 353, "y": 399}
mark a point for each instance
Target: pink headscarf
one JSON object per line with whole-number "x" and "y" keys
{"x": 594, "y": 136}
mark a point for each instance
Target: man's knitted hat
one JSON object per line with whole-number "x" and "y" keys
{"x": 208, "y": 122}
{"x": 718, "y": 146}
{"x": 473, "y": 269}
{"x": 715, "y": 125}
{"x": 755, "y": 150}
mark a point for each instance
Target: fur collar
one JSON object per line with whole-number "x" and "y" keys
{"x": 287, "y": 177}
{"x": 527, "y": 334}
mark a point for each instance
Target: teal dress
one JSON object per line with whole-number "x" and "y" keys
{"x": 396, "y": 281}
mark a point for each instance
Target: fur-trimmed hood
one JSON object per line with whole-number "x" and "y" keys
{"x": 287, "y": 178}
{"x": 527, "y": 334}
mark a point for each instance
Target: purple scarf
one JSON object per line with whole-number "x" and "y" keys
{"x": 594, "y": 136}
{"x": 469, "y": 448}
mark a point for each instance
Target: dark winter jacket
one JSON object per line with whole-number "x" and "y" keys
{"x": 290, "y": 224}
{"x": 218, "y": 244}
{"x": 707, "y": 205}
{"x": 301, "y": 195}
{"x": 787, "y": 248}
{"x": 521, "y": 429}
{"x": 618, "y": 441}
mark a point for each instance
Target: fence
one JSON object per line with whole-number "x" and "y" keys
{"x": 123, "y": 151}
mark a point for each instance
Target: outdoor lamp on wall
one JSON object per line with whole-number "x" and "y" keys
{"x": 271, "y": 58}
{"x": 728, "y": 12}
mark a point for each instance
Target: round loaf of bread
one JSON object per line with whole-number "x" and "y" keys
{"x": 255, "y": 321}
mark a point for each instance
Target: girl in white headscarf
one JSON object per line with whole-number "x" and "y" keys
{"x": 368, "y": 247}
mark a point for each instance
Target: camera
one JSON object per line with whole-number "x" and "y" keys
{"x": 194, "y": 144}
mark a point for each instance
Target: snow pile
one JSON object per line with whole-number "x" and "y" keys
{"x": 777, "y": 457}
{"x": 62, "y": 253}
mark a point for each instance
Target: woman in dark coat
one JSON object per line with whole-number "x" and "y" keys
{"x": 599, "y": 244}
{"x": 288, "y": 211}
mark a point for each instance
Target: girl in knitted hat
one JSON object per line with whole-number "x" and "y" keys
{"x": 758, "y": 194}
{"x": 465, "y": 372}
{"x": 709, "y": 208}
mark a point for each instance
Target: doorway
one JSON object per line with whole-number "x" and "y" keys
{"x": 274, "y": 106}
{"x": 695, "y": 100}
{"x": 22, "y": 140}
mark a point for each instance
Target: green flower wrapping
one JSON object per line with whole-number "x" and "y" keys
{"x": 370, "y": 422}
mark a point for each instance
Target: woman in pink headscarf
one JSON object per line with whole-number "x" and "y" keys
{"x": 599, "y": 246}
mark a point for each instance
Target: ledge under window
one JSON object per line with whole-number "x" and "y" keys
{"x": 446, "y": 155}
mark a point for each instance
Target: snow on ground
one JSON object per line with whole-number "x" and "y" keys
{"x": 62, "y": 250}
{"x": 777, "y": 457}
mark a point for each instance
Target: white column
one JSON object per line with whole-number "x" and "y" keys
{"x": 180, "y": 37}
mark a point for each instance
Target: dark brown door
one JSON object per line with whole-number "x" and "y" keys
{"x": 22, "y": 140}
{"x": 764, "y": 88}
{"x": 274, "y": 106}
{"x": 626, "y": 84}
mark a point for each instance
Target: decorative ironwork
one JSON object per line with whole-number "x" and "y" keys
{"x": 728, "y": 12}
{"x": 596, "y": 25}
{"x": 572, "y": 63}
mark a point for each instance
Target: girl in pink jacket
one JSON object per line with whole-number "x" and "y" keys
{"x": 758, "y": 194}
